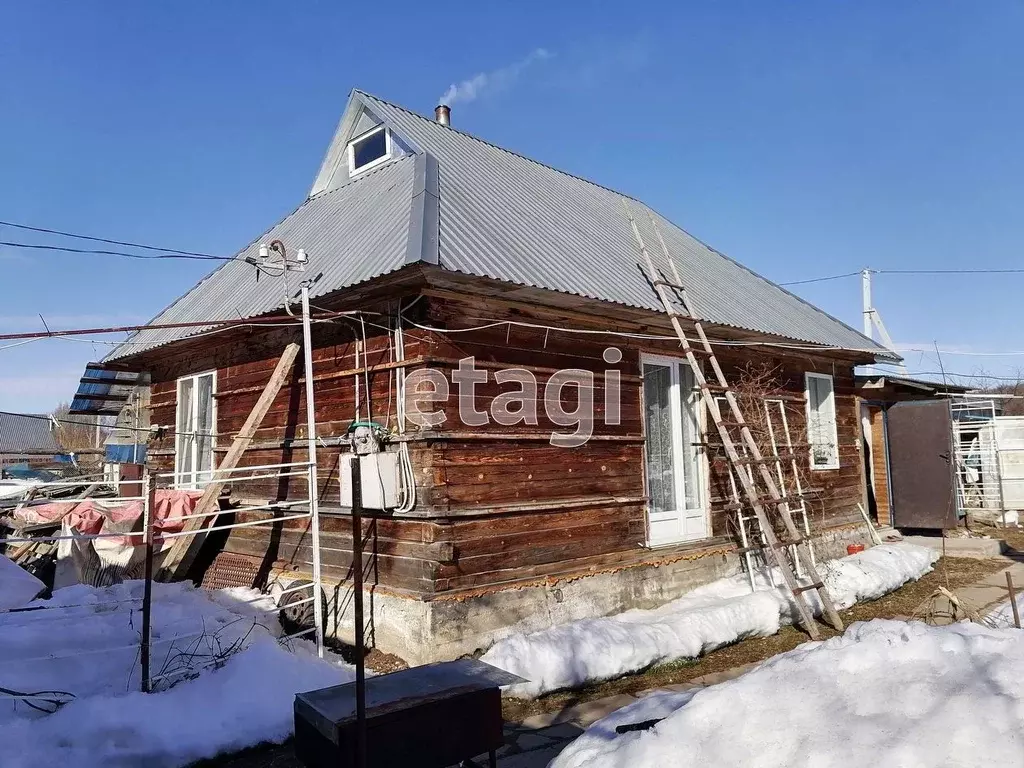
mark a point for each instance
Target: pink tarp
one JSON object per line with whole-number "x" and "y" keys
{"x": 90, "y": 516}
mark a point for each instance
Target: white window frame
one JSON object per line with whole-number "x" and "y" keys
{"x": 351, "y": 150}
{"x": 834, "y": 462}
{"x": 193, "y": 471}
{"x": 698, "y": 457}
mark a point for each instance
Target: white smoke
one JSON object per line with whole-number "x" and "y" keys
{"x": 469, "y": 89}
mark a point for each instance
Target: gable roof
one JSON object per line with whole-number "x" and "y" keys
{"x": 26, "y": 433}
{"x": 474, "y": 208}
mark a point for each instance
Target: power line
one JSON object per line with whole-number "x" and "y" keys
{"x": 1016, "y": 379}
{"x": 107, "y": 240}
{"x": 1010, "y": 271}
{"x": 1010, "y": 353}
{"x": 821, "y": 279}
{"x": 267, "y": 320}
{"x": 155, "y": 429}
{"x": 98, "y": 252}
{"x": 947, "y": 271}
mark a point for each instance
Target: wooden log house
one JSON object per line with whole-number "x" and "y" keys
{"x": 428, "y": 246}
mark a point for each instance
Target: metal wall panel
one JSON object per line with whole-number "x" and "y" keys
{"x": 511, "y": 218}
{"x": 352, "y": 233}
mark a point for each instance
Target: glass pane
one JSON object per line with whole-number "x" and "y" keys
{"x": 821, "y": 416}
{"x": 185, "y": 427}
{"x": 204, "y": 428}
{"x": 691, "y": 435}
{"x": 658, "y": 417}
{"x": 369, "y": 149}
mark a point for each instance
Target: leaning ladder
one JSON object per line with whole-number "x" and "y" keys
{"x": 760, "y": 504}
{"x": 797, "y": 486}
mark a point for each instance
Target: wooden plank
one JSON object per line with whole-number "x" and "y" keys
{"x": 183, "y": 552}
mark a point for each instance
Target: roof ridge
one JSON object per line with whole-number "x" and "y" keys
{"x": 473, "y": 136}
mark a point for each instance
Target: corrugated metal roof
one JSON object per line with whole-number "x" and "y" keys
{"x": 357, "y": 231}
{"x": 26, "y": 433}
{"x": 514, "y": 219}
{"x": 499, "y": 215}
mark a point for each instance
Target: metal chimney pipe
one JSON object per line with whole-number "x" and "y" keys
{"x": 443, "y": 114}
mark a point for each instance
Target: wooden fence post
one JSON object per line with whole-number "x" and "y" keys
{"x": 1013, "y": 600}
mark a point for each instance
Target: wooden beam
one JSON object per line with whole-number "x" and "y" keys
{"x": 183, "y": 552}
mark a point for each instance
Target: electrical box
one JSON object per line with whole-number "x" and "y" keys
{"x": 379, "y": 475}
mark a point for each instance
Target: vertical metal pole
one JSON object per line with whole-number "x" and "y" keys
{"x": 149, "y": 494}
{"x": 865, "y": 292}
{"x": 357, "y": 608}
{"x": 314, "y": 486}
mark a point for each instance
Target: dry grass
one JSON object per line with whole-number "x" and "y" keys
{"x": 952, "y": 573}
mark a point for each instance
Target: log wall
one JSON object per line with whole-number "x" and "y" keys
{"x": 498, "y": 504}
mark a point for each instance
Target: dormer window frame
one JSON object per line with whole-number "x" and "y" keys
{"x": 389, "y": 149}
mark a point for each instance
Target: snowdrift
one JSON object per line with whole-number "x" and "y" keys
{"x": 717, "y": 614}
{"x": 884, "y": 693}
{"x": 85, "y": 641}
{"x": 17, "y": 586}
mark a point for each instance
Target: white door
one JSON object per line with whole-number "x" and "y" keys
{"x": 674, "y": 459}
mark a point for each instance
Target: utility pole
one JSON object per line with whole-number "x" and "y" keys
{"x": 314, "y": 485}
{"x": 865, "y": 290}
{"x": 872, "y": 319}
{"x": 301, "y": 261}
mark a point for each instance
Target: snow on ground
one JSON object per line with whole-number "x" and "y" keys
{"x": 1002, "y": 615}
{"x": 17, "y": 586}
{"x": 85, "y": 641}
{"x": 886, "y": 693}
{"x": 717, "y": 614}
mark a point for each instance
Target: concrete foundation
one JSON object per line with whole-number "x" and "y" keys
{"x": 423, "y": 631}
{"x": 961, "y": 547}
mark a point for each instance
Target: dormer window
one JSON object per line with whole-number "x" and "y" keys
{"x": 369, "y": 150}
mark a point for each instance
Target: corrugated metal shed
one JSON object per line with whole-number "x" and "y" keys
{"x": 496, "y": 214}
{"x": 26, "y": 433}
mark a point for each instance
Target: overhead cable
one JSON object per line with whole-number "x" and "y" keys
{"x": 108, "y": 240}
{"x": 95, "y": 251}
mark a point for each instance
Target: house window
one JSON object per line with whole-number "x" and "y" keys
{"x": 369, "y": 150}
{"x": 194, "y": 433}
{"x": 674, "y": 460}
{"x": 821, "y": 421}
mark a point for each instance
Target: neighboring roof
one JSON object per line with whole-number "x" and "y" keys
{"x": 498, "y": 215}
{"x": 879, "y": 381}
{"x": 104, "y": 390}
{"x": 27, "y": 433}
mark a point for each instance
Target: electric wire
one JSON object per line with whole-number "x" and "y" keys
{"x": 127, "y": 243}
{"x": 102, "y": 252}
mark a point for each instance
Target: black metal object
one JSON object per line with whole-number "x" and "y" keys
{"x": 646, "y": 725}
{"x": 147, "y": 589}
{"x": 357, "y": 612}
{"x": 919, "y": 436}
{"x": 431, "y": 717}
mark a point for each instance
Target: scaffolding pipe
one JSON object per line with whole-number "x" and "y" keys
{"x": 314, "y": 505}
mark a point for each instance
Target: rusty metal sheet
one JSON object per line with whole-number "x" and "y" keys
{"x": 231, "y": 570}
{"x": 919, "y": 436}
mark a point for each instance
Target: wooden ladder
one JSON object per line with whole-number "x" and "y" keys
{"x": 775, "y": 500}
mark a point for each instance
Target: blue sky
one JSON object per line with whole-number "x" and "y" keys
{"x": 802, "y": 138}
